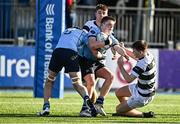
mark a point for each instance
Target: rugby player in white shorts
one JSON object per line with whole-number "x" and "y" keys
{"x": 141, "y": 93}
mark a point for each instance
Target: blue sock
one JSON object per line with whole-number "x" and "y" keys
{"x": 100, "y": 100}
{"x": 46, "y": 104}
{"x": 85, "y": 98}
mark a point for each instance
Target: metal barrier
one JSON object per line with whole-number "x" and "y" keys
{"x": 139, "y": 23}
{"x": 132, "y": 24}
{"x": 17, "y": 22}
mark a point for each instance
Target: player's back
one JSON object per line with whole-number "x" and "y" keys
{"x": 71, "y": 38}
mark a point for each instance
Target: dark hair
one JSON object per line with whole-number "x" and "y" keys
{"x": 106, "y": 18}
{"x": 140, "y": 45}
{"x": 102, "y": 7}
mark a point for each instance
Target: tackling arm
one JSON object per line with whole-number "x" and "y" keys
{"x": 127, "y": 77}
{"x": 94, "y": 45}
{"x": 121, "y": 51}
{"x": 130, "y": 53}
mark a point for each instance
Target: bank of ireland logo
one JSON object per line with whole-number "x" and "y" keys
{"x": 50, "y": 9}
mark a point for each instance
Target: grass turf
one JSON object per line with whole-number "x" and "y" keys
{"x": 21, "y": 107}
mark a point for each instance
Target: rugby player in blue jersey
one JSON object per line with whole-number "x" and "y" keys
{"x": 66, "y": 55}
{"x": 93, "y": 59}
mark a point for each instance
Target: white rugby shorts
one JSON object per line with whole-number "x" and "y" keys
{"x": 136, "y": 100}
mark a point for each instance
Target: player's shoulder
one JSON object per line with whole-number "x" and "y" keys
{"x": 90, "y": 22}
{"x": 94, "y": 31}
{"x": 147, "y": 59}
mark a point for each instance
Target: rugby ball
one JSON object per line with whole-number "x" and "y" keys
{"x": 101, "y": 37}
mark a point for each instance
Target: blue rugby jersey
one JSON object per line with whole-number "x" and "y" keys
{"x": 86, "y": 52}
{"x": 71, "y": 38}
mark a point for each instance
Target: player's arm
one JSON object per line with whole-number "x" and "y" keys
{"x": 129, "y": 78}
{"x": 121, "y": 51}
{"x": 94, "y": 45}
{"x": 121, "y": 44}
{"x": 97, "y": 54}
{"x": 130, "y": 53}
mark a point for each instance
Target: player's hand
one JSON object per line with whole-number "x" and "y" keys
{"x": 121, "y": 44}
{"x": 127, "y": 57}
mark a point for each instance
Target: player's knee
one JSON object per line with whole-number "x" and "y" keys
{"x": 110, "y": 78}
{"x": 90, "y": 84}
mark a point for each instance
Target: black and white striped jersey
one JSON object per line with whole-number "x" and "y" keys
{"x": 145, "y": 71}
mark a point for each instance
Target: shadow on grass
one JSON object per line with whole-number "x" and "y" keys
{"x": 14, "y": 97}
{"x": 34, "y": 115}
{"x": 164, "y": 115}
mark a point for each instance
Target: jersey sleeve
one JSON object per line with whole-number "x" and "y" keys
{"x": 138, "y": 69}
{"x": 114, "y": 40}
{"x": 87, "y": 26}
{"x": 93, "y": 32}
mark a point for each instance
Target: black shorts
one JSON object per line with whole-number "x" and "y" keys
{"x": 88, "y": 66}
{"x": 64, "y": 58}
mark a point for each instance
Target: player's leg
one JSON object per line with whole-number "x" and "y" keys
{"x": 94, "y": 94}
{"x": 123, "y": 109}
{"x": 128, "y": 103}
{"x": 88, "y": 108}
{"x": 106, "y": 74}
{"x": 90, "y": 83}
{"x": 77, "y": 84}
{"x": 48, "y": 85}
{"x": 88, "y": 76}
{"x": 47, "y": 93}
{"x": 72, "y": 67}
{"x": 123, "y": 93}
{"x": 54, "y": 67}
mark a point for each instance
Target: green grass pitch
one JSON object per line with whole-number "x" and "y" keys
{"x": 21, "y": 107}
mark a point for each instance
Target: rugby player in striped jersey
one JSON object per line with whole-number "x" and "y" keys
{"x": 138, "y": 94}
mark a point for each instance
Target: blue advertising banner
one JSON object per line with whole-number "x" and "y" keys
{"x": 169, "y": 69}
{"x": 17, "y": 66}
{"x": 49, "y": 25}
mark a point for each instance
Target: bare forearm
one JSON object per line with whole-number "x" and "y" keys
{"x": 119, "y": 50}
{"x": 97, "y": 45}
{"x": 130, "y": 53}
{"x": 125, "y": 74}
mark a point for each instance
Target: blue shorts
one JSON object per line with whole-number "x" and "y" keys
{"x": 64, "y": 58}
